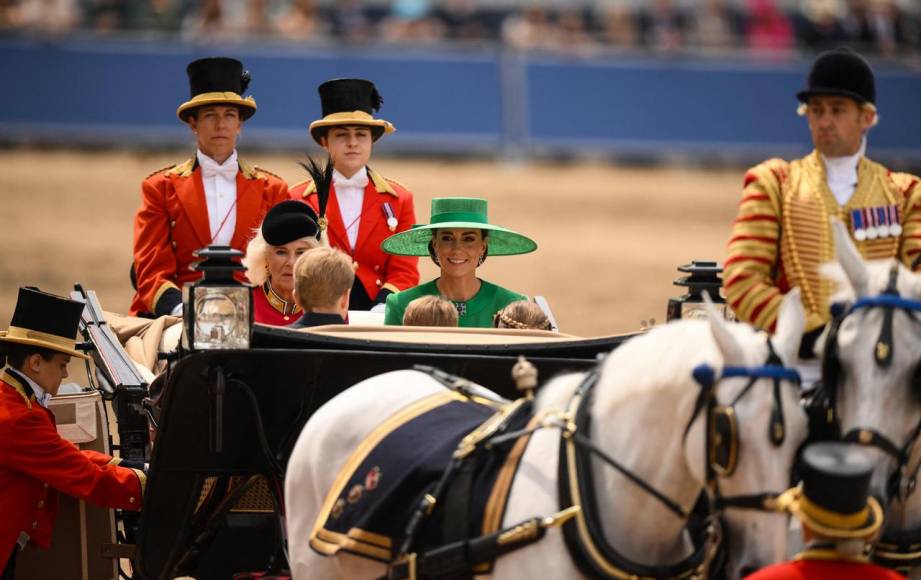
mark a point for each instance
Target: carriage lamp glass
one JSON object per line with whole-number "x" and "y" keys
{"x": 704, "y": 276}
{"x": 218, "y": 310}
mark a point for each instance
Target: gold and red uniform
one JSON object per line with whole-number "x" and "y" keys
{"x": 36, "y": 463}
{"x": 270, "y": 308}
{"x": 376, "y": 270}
{"x": 172, "y": 222}
{"x": 782, "y": 234}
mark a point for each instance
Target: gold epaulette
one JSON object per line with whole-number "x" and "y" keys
{"x": 161, "y": 170}
{"x": 260, "y": 170}
{"x": 382, "y": 184}
{"x": 183, "y": 169}
{"x": 311, "y": 188}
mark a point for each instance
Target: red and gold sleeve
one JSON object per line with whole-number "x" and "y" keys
{"x": 154, "y": 257}
{"x": 910, "y": 248}
{"x": 44, "y": 455}
{"x": 752, "y": 251}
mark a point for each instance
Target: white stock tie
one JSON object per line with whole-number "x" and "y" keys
{"x": 210, "y": 168}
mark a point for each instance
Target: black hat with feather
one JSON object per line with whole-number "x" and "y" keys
{"x": 350, "y": 102}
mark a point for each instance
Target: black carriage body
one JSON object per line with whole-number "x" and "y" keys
{"x": 270, "y": 391}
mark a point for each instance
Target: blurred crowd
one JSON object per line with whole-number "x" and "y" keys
{"x": 881, "y": 27}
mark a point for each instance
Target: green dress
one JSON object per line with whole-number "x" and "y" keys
{"x": 477, "y": 312}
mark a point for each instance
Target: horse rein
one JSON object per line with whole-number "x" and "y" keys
{"x": 890, "y": 301}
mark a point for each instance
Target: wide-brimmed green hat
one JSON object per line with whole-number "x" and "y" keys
{"x": 457, "y": 213}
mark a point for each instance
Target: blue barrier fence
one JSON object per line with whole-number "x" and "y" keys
{"x": 492, "y": 101}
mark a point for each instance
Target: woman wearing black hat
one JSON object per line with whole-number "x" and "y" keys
{"x": 839, "y": 518}
{"x": 364, "y": 207}
{"x": 288, "y": 230}
{"x": 211, "y": 199}
{"x": 782, "y": 233}
{"x": 35, "y": 462}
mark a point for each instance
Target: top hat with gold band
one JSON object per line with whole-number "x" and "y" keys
{"x": 217, "y": 81}
{"x": 45, "y": 320}
{"x": 350, "y": 102}
{"x": 833, "y": 499}
{"x": 840, "y": 72}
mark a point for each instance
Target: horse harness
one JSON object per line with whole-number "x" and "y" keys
{"x": 900, "y": 550}
{"x": 580, "y": 520}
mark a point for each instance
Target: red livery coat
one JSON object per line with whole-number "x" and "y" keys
{"x": 823, "y": 569}
{"x": 36, "y": 463}
{"x": 376, "y": 269}
{"x": 172, "y": 222}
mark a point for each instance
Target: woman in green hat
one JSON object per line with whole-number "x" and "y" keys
{"x": 458, "y": 239}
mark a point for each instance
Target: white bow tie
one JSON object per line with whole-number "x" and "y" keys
{"x": 210, "y": 168}
{"x": 359, "y": 180}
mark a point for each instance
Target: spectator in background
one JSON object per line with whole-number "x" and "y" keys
{"x": 462, "y": 21}
{"x": 157, "y": 15}
{"x": 411, "y": 21}
{"x": 572, "y": 33}
{"x": 819, "y": 25}
{"x": 530, "y": 29}
{"x": 430, "y": 311}
{"x": 47, "y": 16}
{"x": 618, "y": 27}
{"x": 208, "y": 22}
{"x": 302, "y": 21}
{"x": 323, "y": 279}
{"x": 522, "y": 315}
{"x": 881, "y": 26}
{"x": 663, "y": 28}
{"x": 769, "y": 29}
{"x": 714, "y": 26}
{"x": 350, "y": 22}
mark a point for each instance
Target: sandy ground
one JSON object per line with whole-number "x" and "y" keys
{"x": 610, "y": 238}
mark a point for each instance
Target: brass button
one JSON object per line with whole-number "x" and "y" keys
{"x": 377, "y": 268}
{"x": 130, "y": 500}
{"x": 34, "y": 525}
{"x": 172, "y": 223}
{"x": 173, "y": 243}
{"x": 378, "y": 282}
{"x": 41, "y": 503}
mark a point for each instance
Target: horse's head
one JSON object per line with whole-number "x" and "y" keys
{"x": 872, "y": 361}
{"x": 755, "y": 425}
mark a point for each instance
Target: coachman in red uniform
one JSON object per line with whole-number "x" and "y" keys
{"x": 214, "y": 198}
{"x": 839, "y": 519}
{"x": 35, "y": 462}
{"x": 364, "y": 208}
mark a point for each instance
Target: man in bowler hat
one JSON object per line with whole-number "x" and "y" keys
{"x": 35, "y": 462}
{"x": 214, "y": 198}
{"x": 782, "y": 233}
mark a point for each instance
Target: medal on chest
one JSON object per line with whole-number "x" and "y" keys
{"x": 390, "y": 215}
{"x": 870, "y": 223}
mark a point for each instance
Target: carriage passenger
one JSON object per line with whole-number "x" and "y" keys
{"x": 430, "y": 311}
{"x": 522, "y": 315}
{"x": 364, "y": 207}
{"x": 323, "y": 281}
{"x": 35, "y": 462}
{"x": 458, "y": 239}
{"x": 214, "y": 198}
{"x": 782, "y": 232}
{"x": 839, "y": 520}
{"x": 287, "y": 232}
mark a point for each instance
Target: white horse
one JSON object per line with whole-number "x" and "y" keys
{"x": 644, "y": 400}
{"x": 877, "y": 400}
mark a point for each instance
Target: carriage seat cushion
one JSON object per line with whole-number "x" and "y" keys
{"x": 367, "y": 510}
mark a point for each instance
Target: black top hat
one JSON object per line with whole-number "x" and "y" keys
{"x": 288, "y": 221}
{"x": 834, "y": 497}
{"x": 840, "y": 72}
{"x": 217, "y": 81}
{"x": 44, "y": 320}
{"x": 350, "y": 102}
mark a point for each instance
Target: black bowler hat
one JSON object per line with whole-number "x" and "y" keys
{"x": 350, "y": 102}
{"x": 833, "y": 499}
{"x": 288, "y": 221}
{"x": 840, "y": 72}
{"x": 44, "y": 320}
{"x": 217, "y": 81}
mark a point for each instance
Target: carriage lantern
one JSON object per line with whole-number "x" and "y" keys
{"x": 218, "y": 310}
{"x": 704, "y": 276}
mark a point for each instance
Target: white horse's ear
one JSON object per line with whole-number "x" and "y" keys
{"x": 849, "y": 258}
{"x": 729, "y": 347}
{"x": 790, "y": 324}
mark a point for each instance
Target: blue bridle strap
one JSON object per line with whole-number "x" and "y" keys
{"x": 705, "y": 375}
{"x": 887, "y": 301}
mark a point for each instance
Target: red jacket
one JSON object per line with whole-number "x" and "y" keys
{"x": 376, "y": 269}
{"x": 36, "y": 463}
{"x": 172, "y": 222}
{"x": 822, "y": 569}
